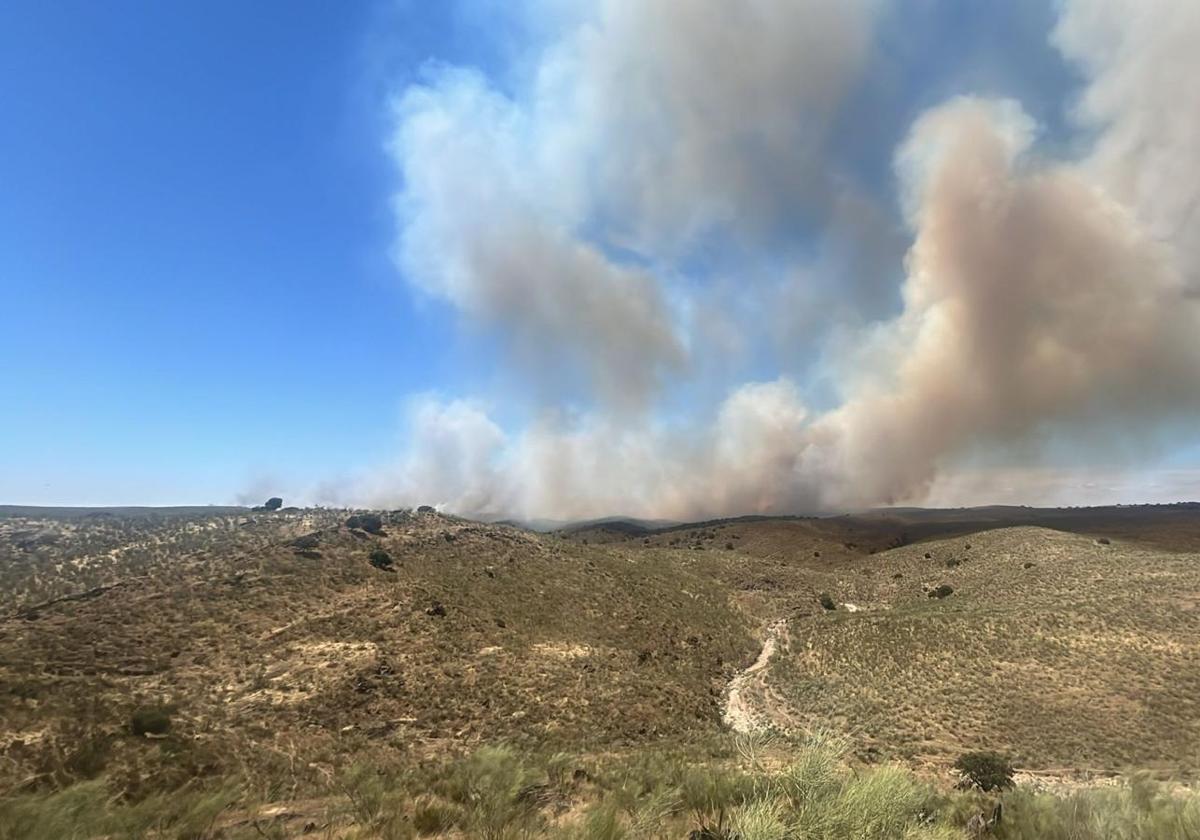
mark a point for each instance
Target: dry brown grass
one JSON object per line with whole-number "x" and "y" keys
{"x": 277, "y": 660}
{"x": 286, "y": 663}
{"x": 1087, "y": 660}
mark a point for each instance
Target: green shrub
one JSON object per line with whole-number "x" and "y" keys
{"x": 814, "y": 774}
{"x": 826, "y": 601}
{"x": 603, "y": 822}
{"x": 195, "y": 817}
{"x": 89, "y": 809}
{"x": 381, "y": 560}
{"x": 367, "y": 792}
{"x": 150, "y": 720}
{"x": 432, "y": 816}
{"x": 881, "y": 804}
{"x": 491, "y": 785}
{"x": 985, "y": 770}
{"x": 760, "y": 820}
{"x": 78, "y": 811}
{"x": 1138, "y": 810}
{"x": 710, "y": 793}
{"x": 370, "y": 522}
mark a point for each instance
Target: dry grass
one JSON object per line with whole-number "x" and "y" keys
{"x": 728, "y": 793}
{"x": 287, "y": 664}
{"x": 1087, "y": 660}
{"x": 277, "y": 660}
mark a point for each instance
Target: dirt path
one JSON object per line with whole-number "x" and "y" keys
{"x": 746, "y": 690}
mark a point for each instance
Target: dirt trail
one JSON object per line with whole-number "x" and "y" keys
{"x": 741, "y": 714}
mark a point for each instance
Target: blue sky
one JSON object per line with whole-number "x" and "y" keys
{"x": 198, "y": 236}
{"x": 194, "y": 235}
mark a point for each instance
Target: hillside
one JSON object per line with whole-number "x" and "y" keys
{"x": 292, "y": 647}
{"x": 275, "y": 639}
{"x": 1063, "y": 651}
{"x": 1073, "y": 647}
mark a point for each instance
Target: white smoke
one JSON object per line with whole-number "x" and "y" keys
{"x": 1033, "y": 302}
{"x": 1140, "y": 58}
{"x": 645, "y": 127}
{"x": 1043, "y": 300}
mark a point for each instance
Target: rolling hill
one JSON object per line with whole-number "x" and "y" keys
{"x": 290, "y": 646}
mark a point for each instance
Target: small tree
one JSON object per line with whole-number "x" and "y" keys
{"x": 826, "y": 601}
{"x": 380, "y": 559}
{"x": 984, "y": 769}
{"x": 371, "y": 522}
{"x": 155, "y": 720}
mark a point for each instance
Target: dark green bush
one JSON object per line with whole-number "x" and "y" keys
{"x": 370, "y": 522}
{"x": 984, "y": 769}
{"x": 380, "y": 559}
{"x": 307, "y": 542}
{"x": 826, "y": 601}
{"x": 150, "y": 720}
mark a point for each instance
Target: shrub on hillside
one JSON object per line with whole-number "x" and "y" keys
{"x": 307, "y": 542}
{"x": 432, "y": 816}
{"x": 370, "y": 522}
{"x": 380, "y": 559}
{"x": 488, "y": 786}
{"x": 826, "y": 601}
{"x": 984, "y": 769}
{"x": 150, "y": 720}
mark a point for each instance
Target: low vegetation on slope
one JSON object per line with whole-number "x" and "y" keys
{"x": 1075, "y": 650}
{"x": 224, "y": 674}
{"x": 284, "y": 644}
{"x": 1068, "y": 653}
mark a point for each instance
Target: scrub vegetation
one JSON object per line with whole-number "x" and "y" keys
{"x": 205, "y": 674}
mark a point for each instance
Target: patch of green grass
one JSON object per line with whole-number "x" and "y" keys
{"x": 807, "y": 790}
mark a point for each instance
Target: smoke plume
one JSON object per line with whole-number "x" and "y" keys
{"x": 621, "y": 216}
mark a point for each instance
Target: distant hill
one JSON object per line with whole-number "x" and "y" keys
{"x": 624, "y": 525}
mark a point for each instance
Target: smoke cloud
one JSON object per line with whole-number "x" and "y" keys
{"x": 1144, "y": 83}
{"x": 589, "y": 215}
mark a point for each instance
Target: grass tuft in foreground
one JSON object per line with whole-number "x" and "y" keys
{"x": 497, "y": 793}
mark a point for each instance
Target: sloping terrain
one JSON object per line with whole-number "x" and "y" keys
{"x": 286, "y": 645}
{"x": 1072, "y": 644}
{"x": 294, "y": 641}
{"x": 1064, "y": 651}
